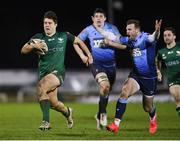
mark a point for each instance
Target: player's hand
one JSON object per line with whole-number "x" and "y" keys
{"x": 38, "y": 45}
{"x": 90, "y": 59}
{"x": 159, "y": 76}
{"x": 107, "y": 42}
{"x": 158, "y": 25}
{"x": 84, "y": 59}
{"x": 87, "y": 59}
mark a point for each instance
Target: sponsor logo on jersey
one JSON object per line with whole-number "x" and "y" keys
{"x": 173, "y": 63}
{"x": 51, "y": 39}
{"x": 164, "y": 56}
{"x": 136, "y": 52}
{"x": 170, "y": 52}
{"x": 98, "y": 43}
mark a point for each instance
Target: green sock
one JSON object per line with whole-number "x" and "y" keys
{"x": 178, "y": 110}
{"x": 45, "y": 106}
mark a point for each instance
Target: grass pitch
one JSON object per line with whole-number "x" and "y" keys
{"x": 21, "y": 121}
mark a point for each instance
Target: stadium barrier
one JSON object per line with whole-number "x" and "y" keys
{"x": 21, "y": 83}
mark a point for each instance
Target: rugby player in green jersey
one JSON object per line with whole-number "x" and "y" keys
{"x": 51, "y": 66}
{"x": 170, "y": 55}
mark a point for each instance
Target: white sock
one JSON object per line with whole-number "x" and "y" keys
{"x": 117, "y": 121}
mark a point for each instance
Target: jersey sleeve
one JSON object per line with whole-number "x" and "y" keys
{"x": 83, "y": 35}
{"x": 37, "y": 36}
{"x": 70, "y": 37}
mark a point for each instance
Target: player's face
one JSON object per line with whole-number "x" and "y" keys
{"x": 169, "y": 37}
{"x": 99, "y": 19}
{"x": 131, "y": 31}
{"x": 49, "y": 27}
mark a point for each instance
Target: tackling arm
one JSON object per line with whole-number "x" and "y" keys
{"x": 107, "y": 34}
{"x": 110, "y": 38}
{"x": 114, "y": 44}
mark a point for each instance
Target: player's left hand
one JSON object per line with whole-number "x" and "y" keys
{"x": 158, "y": 25}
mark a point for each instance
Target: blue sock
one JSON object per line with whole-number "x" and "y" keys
{"x": 103, "y": 101}
{"x": 120, "y": 108}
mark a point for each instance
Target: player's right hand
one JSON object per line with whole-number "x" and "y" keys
{"x": 159, "y": 76}
{"x": 39, "y": 46}
{"x": 106, "y": 42}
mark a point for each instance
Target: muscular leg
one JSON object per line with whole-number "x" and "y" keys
{"x": 60, "y": 107}
{"x": 148, "y": 105}
{"x": 129, "y": 88}
{"x": 175, "y": 92}
{"x": 48, "y": 83}
{"x": 57, "y": 105}
{"x": 104, "y": 87}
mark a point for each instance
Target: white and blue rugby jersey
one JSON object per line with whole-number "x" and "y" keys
{"x": 105, "y": 55}
{"x": 143, "y": 54}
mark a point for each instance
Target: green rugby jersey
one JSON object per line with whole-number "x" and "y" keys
{"x": 53, "y": 61}
{"x": 171, "y": 58}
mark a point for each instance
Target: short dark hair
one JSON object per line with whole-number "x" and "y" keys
{"x": 99, "y": 10}
{"x": 135, "y": 22}
{"x": 51, "y": 15}
{"x": 170, "y": 29}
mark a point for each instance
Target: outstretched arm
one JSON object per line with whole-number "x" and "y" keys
{"x": 107, "y": 34}
{"x": 156, "y": 33}
{"x": 110, "y": 38}
{"x": 80, "y": 48}
{"x": 114, "y": 44}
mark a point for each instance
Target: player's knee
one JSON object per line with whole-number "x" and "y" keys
{"x": 147, "y": 109}
{"x": 41, "y": 91}
{"x": 124, "y": 93}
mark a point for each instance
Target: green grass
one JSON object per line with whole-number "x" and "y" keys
{"x": 21, "y": 121}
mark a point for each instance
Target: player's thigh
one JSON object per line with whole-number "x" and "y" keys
{"x": 49, "y": 82}
{"x": 130, "y": 87}
{"x": 174, "y": 90}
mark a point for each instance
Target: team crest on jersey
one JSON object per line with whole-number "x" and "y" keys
{"x": 136, "y": 52}
{"x": 54, "y": 72}
{"x": 170, "y": 52}
{"x": 177, "y": 53}
{"x": 164, "y": 56}
{"x": 60, "y": 40}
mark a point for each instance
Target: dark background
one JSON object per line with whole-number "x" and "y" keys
{"x": 21, "y": 20}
